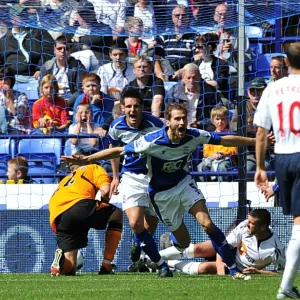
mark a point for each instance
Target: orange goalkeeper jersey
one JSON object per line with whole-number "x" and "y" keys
{"x": 84, "y": 183}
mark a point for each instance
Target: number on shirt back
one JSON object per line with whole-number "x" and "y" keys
{"x": 294, "y": 105}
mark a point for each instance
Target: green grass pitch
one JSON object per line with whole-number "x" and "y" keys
{"x": 137, "y": 286}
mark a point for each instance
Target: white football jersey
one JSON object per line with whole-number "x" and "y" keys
{"x": 279, "y": 107}
{"x": 250, "y": 253}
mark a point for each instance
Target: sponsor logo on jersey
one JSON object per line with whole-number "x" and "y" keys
{"x": 173, "y": 166}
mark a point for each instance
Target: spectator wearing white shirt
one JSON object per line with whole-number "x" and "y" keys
{"x": 83, "y": 125}
{"x": 111, "y": 12}
{"x": 145, "y": 11}
{"x": 118, "y": 73}
{"x": 67, "y": 70}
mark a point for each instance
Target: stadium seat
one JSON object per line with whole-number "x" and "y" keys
{"x": 255, "y": 32}
{"x": 43, "y": 157}
{"x": 27, "y": 85}
{"x": 103, "y": 144}
{"x": 88, "y": 59}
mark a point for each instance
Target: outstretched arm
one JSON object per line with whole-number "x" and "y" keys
{"x": 234, "y": 140}
{"x": 101, "y": 155}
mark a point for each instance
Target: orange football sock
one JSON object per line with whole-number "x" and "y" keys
{"x": 112, "y": 239}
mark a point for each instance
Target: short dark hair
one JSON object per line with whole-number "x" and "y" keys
{"x": 62, "y": 40}
{"x": 208, "y": 39}
{"x": 293, "y": 55}
{"x": 131, "y": 93}
{"x": 263, "y": 216}
{"x": 7, "y": 72}
{"x": 281, "y": 58}
{"x": 118, "y": 44}
{"x": 174, "y": 106}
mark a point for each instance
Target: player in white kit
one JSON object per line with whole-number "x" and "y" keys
{"x": 255, "y": 244}
{"x": 279, "y": 108}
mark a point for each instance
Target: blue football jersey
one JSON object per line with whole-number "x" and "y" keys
{"x": 120, "y": 134}
{"x": 166, "y": 161}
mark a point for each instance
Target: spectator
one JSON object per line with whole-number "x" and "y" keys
{"x": 101, "y": 105}
{"x": 179, "y": 42}
{"x": 202, "y": 11}
{"x": 198, "y": 96}
{"x": 25, "y": 49}
{"x": 118, "y": 73}
{"x": 111, "y": 12}
{"x": 67, "y": 70}
{"x": 257, "y": 86}
{"x": 228, "y": 44}
{"x": 145, "y": 11}
{"x": 14, "y": 112}
{"x": 17, "y": 170}
{"x": 83, "y": 117}
{"x": 135, "y": 45}
{"x": 49, "y": 113}
{"x": 278, "y": 68}
{"x": 93, "y": 47}
{"x": 218, "y": 158}
{"x": 151, "y": 87}
{"x": 213, "y": 70}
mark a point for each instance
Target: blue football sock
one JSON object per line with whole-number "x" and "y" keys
{"x": 148, "y": 244}
{"x": 221, "y": 246}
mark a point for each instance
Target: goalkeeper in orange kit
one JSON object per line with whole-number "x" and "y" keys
{"x": 74, "y": 211}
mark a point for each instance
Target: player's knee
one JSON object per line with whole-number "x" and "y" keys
{"x": 202, "y": 269}
{"x": 137, "y": 225}
{"x": 207, "y": 225}
{"x": 117, "y": 216}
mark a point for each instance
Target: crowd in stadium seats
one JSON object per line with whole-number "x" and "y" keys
{"x": 81, "y": 73}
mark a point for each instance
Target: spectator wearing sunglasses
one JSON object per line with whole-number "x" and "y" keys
{"x": 178, "y": 42}
{"x": 67, "y": 70}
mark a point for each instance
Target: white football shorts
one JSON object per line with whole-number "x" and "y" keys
{"x": 174, "y": 202}
{"x": 133, "y": 191}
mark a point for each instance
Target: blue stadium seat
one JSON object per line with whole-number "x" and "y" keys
{"x": 67, "y": 148}
{"x": 103, "y": 144}
{"x": 43, "y": 157}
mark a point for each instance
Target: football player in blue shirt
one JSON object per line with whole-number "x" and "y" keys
{"x": 133, "y": 189}
{"x": 172, "y": 189}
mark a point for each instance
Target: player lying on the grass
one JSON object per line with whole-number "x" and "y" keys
{"x": 74, "y": 211}
{"x": 172, "y": 190}
{"x": 255, "y": 244}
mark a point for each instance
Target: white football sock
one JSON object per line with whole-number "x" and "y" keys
{"x": 190, "y": 268}
{"x": 175, "y": 253}
{"x": 189, "y": 252}
{"x": 170, "y": 253}
{"x": 292, "y": 260}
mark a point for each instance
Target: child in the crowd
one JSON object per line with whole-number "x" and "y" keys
{"x": 83, "y": 117}
{"x": 100, "y": 104}
{"x": 14, "y": 112}
{"x": 218, "y": 158}
{"x": 136, "y": 46}
{"x": 17, "y": 170}
{"x": 49, "y": 113}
